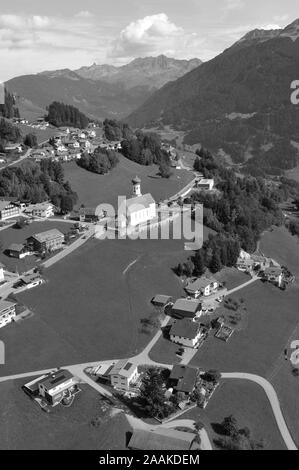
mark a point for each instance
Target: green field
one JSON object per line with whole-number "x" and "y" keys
{"x": 23, "y": 425}
{"x": 248, "y": 403}
{"x": 283, "y": 247}
{"x": 90, "y": 309}
{"x": 13, "y": 235}
{"x": 94, "y": 189}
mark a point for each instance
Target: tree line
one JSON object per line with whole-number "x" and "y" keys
{"x": 60, "y": 114}
{"x": 37, "y": 182}
{"x": 101, "y": 161}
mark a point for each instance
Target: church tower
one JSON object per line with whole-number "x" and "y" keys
{"x": 136, "y": 186}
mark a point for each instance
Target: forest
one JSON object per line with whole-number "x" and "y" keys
{"x": 60, "y": 114}
{"x": 38, "y": 182}
{"x": 239, "y": 211}
{"x": 100, "y": 161}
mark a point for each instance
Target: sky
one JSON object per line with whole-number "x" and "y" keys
{"x": 47, "y": 35}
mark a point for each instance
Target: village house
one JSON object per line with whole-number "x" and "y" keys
{"x": 7, "y": 312}
{"x": 8, "y": 209}
{"x": 245, "y": 265}
{"x": 31, "y": 280}
{"x": 137, "y": 210}
{"x": 204, "y": 183}
{"x": 274, "y": 275}
{"x": 13, "y": 148}
{"x": 49, "y": 240}
{"x": 160, "y": 439}
{"x": 18, "y": 250}
{"x": 123, "y": 375}
{"x": 43, "y": 210}
{"x": 183, "y": 379}
{"x": 186, "y": 332}
{"x": 204, "y": 286}
{"x": 57, "y": 386}
{"x": 89, "y": 214}
{"x": 185, "y": 308}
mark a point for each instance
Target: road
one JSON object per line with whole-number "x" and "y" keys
{"x": 274, "y": 402}
{"x": 242, "y": 286}
{"x": 23, "y": 157}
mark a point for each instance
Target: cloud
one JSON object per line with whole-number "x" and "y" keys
{"x": 153, "y": 35}
{"x": 31, "y": 43}
{"x": 84, "y": 14}
{"x": 233, "y": 4}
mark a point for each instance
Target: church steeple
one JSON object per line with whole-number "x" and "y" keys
{"x": 136, "y": 186}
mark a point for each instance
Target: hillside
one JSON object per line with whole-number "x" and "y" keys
{"x": 100, "y": 90}
{"x": 238, "y": 101}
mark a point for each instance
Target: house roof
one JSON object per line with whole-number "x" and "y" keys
{"x": 48, "y": 235}
{"x": 187, "y": 305}
{"x": 28, "y": 278}
{"x": 54, "y": 379}
{"x": 161, "y": 299}
{"x": 273, "y": 271}
{"x": 200, "y": 283}
{"x": 4, "y": 204}
{"x": 161, "y": 439}
{"x": 5, "y": 304}
{"x": 185, "y": 328}
{"x": 186, "y": 378}
{"x": 123, "y": 368}
{"x": 16, "y": 247}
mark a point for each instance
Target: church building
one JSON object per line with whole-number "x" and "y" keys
{"x": 137, "y": 210}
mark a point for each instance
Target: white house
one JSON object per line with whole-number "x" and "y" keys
{"x": 7, "y": 312}
{"x": 203, "y": 286}
{"x": 43, "y": 209}
{"x": 186, "y": 332}
{"x": 205, "y": 184}
{"x": 123, "y": 375}
{"x": 137, "y": 210}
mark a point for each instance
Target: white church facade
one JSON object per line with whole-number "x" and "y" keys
{"x": 137, "y": 210}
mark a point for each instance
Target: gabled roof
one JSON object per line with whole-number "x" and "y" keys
{"x": 200, "y": 283}
{"x": 161, "y": 299}
{"x": 6, "y": 304}
{"x": 54, "y": 379}
{"x": 4, "y": 204}
{"x": 138, "y": 203}
{"x": 48, "y": 235}
{"x": 185, "y": 376}
{"x": 161, "y": 439}
{"x": 186, "y": 305}
{"x": 16, "y": 247}
{"x": 185, "y": 328}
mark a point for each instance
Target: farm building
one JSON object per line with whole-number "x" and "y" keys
{"x": 18, "y": 250}
{"x": 162, "y": 439}
{"x": 185, "y": 308}
{"x": 161, "y": 300}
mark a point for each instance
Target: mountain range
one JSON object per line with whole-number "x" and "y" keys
{"x": 239, "y": 102}
{"x": 99, "y": 91}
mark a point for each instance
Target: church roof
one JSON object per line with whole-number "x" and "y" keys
{"x": 140, "y": 202}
